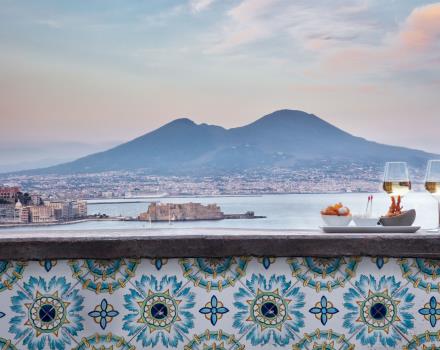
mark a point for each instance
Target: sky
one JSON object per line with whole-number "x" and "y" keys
{"x": 98, "y": 72}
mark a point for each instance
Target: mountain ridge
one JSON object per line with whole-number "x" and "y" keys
{"x": 284, "y": 138}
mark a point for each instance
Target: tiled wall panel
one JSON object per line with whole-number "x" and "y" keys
{"x": 218, "y": 304}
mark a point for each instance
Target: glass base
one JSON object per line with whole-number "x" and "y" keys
{"x": 433, "y": 230}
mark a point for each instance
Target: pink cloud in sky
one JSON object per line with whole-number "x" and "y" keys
{"x": 422, "y": 28}
{"x": 246, "y": 25}
{"x": 414, "y": 46}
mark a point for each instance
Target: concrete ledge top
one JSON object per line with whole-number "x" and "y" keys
{"x": 174, "y": 243}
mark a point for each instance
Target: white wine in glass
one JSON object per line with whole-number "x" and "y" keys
{"x": 432, "y": 183}
{"x": 396, "y": 179}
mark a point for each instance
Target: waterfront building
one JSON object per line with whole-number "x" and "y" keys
{"x": 68, "y": 210}
{"x": 61, "y": 210}
{"x": 41, "y": 214}
{"x": 24, "y": 215}
{"x": 21, "y": 213}
{"x": 80, "y": 209}
{"x": 17, "y": 213}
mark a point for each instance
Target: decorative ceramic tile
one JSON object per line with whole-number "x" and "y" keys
{"x": 231, "y": 303}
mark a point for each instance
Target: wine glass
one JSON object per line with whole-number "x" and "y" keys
{"x": 396, "y": 179}
{"x": 432, "y": 183}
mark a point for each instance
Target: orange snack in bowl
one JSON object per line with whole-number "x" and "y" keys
{"x": 337, "y": 209}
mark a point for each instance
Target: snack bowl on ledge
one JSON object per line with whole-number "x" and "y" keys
{"x": 363, "y": 221}
{"x": 407, "y": 218}
{"x": 336, "y": 220}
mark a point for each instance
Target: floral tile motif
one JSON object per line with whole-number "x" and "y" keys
{"x": 10, "y": 273}
{"x": 214, "y": 273}
{"x": 231, "y": 303}
{"x": 103, "y": 276}
{"x": 48, "y": 264}
{"x": 217, "y": 340}
{"x": 103, "y": 313}
{"x": 431, "y": 311}
{"x": 424, "y": 341}
{"x": 266, "y": 261}
{"x": 46, "y": 313}
{"x": 378, "y": 311}
{"x": 269, "y": 310}
{"x": 6, "y": 344}
{"x": 326, "y": 339}
{"x": 214, "y": 310}
{"x": 323, "y": 273}
{"x": 104, "y": 341}
{"x": 324, "y": 310}
{"x": 159, "y": 311}
{"x": 422, "y": 273}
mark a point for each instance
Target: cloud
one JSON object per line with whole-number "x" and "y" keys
{"x": 52, "y": 23}
{"x": 200, "y": 5}
{"x": 249, "y": 10}
{"x": 305, "y": 24}
{"x": 421, "y": 30}
{"x": 163, "y": 17}
{"x": 246, "y": 23}
{"x": 413, "y": 47}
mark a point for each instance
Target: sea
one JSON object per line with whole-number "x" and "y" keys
{"x": 282, "y": 211}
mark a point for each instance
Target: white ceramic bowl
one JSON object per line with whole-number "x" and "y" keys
{"x": 363, "y": 221}
{"x": 335, "y": 220}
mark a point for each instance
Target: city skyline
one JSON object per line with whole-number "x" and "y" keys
{"x": 100, "y": 72}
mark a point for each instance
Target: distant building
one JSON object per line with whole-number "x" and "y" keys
{"x": 9, "y": 194}
{"x": 41, "y": 214}
{"x": 22, "y": 213}
{"x": 68, "y": 210}
{"x": 14, "y": 213}
{"x": 61, "y": 210}
{"x": 36, "y": 199}
{"x": 16, "y": 207}
{"x": 7, "y": 211}
{"x": 181, "y": 212}
{"x": 80, "y": 209}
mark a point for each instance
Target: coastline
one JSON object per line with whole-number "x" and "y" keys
{"x": 57, "y": 223}
{"x": 283, "y": 212}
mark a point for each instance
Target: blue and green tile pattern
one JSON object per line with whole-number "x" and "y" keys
{"x": 227, "y": 303}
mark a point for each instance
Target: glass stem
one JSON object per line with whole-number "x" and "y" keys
{"x": 438, "y": 200}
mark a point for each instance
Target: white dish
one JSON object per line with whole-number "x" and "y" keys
{"x": 370, "y": 229}
{"x": 363, "y": 221}
{"x": 335, "y": 220}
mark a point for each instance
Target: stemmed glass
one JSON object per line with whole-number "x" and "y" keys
{"x": 432, "y": 183}
{"x": 396, "y": 179}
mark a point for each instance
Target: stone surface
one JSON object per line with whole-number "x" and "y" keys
{"x": 169, "y": 243}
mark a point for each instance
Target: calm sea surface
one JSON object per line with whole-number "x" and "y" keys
{"x": 292, "y": 211}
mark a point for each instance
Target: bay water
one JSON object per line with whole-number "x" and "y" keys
{"x": 289, "y": 211}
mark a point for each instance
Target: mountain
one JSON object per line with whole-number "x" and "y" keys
{"x": 285, "y": 138}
